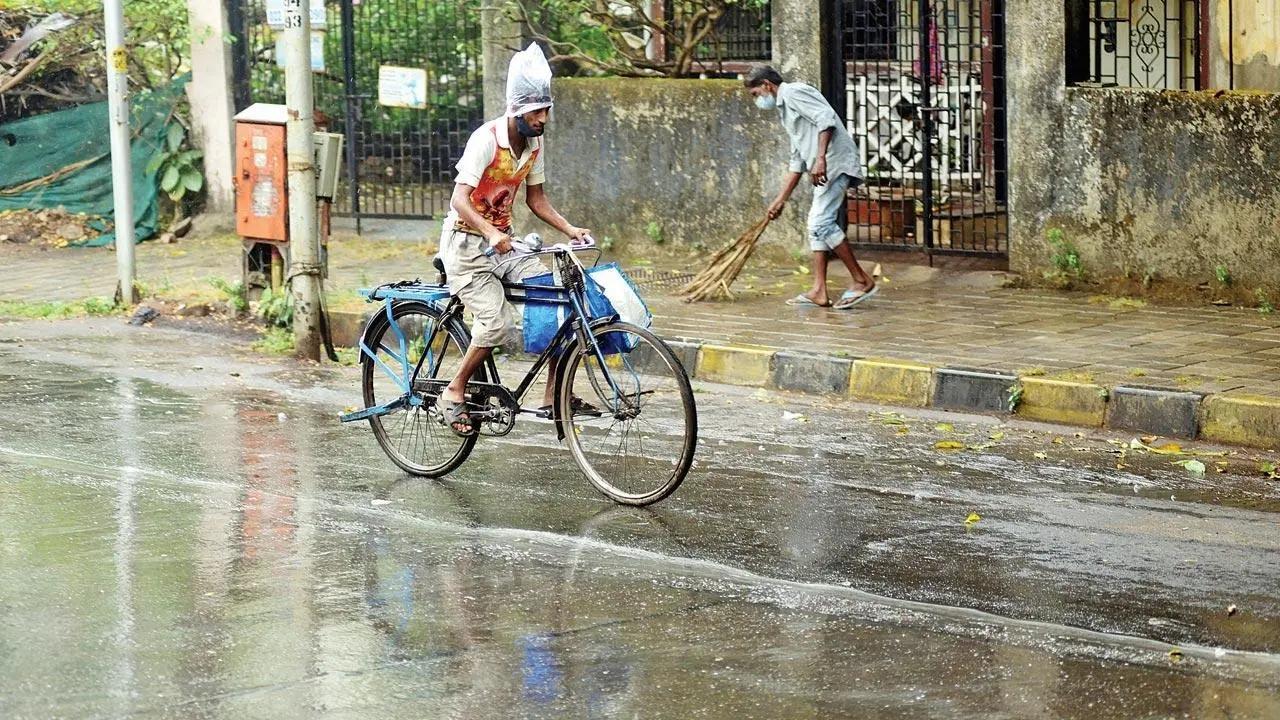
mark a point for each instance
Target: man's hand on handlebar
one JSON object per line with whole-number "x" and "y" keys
{"x": 500, "y": 242}
{"x": 579, "y": 236}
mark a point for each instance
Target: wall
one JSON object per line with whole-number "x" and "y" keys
{"x": 695, "y": 156}
{"x": 1140, "y": 181}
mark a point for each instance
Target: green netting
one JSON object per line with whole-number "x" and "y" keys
{"x": 63, "y": 159}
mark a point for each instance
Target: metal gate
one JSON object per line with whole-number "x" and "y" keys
{"x": 422, "y": 56}
{"x": 925, "y": 102}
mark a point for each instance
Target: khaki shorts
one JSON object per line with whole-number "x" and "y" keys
{"x": 476, "y": 280}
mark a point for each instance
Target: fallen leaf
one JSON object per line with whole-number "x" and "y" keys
{"x": 788, "y": 415}
{"x": 997, "y": 436}
{"x": 1195, "y": 467}
{"x": 1175, "y": 654}
{"x": 972, "y": 519}
{"x": 948, "y": 445}
{"x": 944, "y": 427}
{"x": 1166, "y": 449}
{"x": 1057, "y": 441}
{"x": 1040, "y": 456}
{"x": 903, "y": 430}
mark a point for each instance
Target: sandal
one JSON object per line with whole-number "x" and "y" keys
{"x": 853, "y": 297}
{"x": 803, "y": 300}
{"x": 456, "y": 414}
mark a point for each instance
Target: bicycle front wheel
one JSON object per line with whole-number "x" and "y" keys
{"x": 630, "y": 421}
{"x": 413, "y": 436}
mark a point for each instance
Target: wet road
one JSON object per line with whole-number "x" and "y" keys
{"x": 192, "y": 534}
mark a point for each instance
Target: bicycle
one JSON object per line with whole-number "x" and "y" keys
{"x": 617, "y": 384}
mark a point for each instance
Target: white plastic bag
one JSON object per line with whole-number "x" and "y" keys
{"x": 528, "y": 82}
{"x": 622, "y": 294}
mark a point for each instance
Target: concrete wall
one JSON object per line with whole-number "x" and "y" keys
{"x": 1171, "y": 183}
{"x": 211, "y": 102}
{"x": 695, "y": 156}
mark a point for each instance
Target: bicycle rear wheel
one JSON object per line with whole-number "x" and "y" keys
{"x": 637, "y": 444}
{"x": 413, "y": 436}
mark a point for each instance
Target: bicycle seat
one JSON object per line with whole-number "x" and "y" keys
{"x": 439, "y": 266}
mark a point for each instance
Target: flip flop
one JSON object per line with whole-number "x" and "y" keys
{"x": 456, "y": 414}
{"x": 803, "y": 300}
{"x": 853, "y": 297}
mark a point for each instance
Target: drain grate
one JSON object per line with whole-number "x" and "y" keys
{"x": 649, "y": 278}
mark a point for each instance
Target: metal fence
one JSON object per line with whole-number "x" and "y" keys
{"x": 401, "y": 150}
{"x": 925, "y": 102}
{"x": 1135, "y": 43}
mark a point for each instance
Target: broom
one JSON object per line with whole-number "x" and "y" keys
{"x": 724, "y": 267}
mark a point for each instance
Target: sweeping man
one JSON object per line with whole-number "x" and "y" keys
{"x": 819, "y": 145}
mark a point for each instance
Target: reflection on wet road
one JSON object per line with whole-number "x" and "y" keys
{"x": 193, "y": 535}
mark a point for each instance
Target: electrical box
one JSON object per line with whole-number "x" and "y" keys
{"x": 262, "y": 193}
{"x": 328, "y": 151}
{"x": 262, "y": 174}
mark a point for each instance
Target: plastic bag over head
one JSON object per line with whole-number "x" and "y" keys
{"x": 528, "y": 82}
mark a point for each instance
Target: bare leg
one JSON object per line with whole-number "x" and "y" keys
{"x": 861, "y": 280}
{"x": 819, "y": 292}
{"x": 455, "y": 391}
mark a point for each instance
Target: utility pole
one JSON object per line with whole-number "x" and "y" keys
{"x": 304, "y": 251}
{"x": 121, "y": 169}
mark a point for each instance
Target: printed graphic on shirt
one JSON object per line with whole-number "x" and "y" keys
{"x": 495, "y": 194}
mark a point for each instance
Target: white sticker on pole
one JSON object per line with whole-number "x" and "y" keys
{"x": 276, "y": 13}
{"x": 402, "y": 87}
{"x": 317, "y": 51}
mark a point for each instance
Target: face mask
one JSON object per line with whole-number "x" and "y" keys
{"x": 766, "y": 102}
{"x": 525, "y": 129}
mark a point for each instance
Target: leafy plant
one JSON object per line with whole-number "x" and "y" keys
{"x": 1223, "y": 274}
{"x": 234, "y": 293}
{"x": 1014, "y": 397}
{"x": 100, "y": 306}
{"x": 1264, "y": 302}
{"x": 178, "y": 168}
{"x": 1064, "y": 258}
{"x": 654, "y": 231}
{"x": 276, "y": 341}
{"x": 276, "y": 308}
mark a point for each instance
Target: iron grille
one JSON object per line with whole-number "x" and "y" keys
{"x": 925, "y": 103}
{"x": 1135, "y": 43}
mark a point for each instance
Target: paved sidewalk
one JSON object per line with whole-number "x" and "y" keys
{"x": 1064, "y": 357}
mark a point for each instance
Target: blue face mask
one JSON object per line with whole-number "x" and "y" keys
{"x": 766, "y": 102}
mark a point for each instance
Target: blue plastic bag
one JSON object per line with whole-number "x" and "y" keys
{"x": 542, "y": 320}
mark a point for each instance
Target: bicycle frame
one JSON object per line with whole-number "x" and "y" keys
{"x": 572, "y": 293}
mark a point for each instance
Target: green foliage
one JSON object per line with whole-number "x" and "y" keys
{"x": 1264, "y": 302}
{"x": 440, "y": 36}
{"x": 100, "y": 306}
{"x": 73, "y": 70}
{"x": 607, "y": 243}
{"x": 276, "y": 341}
{"x": 276, "y": 308}
{"x": 347, "y": 356}
{"x": 654, "y": 232}
{"x": 1223, "y": 274}
{"x": 177, "y": 167}
{"x": 1014, "y": 397}
{"x": 1065, "y": 259}
{"x": 610, "y": 38}
{"x": 234, "y": 292}
{"x": 56, "y": 310}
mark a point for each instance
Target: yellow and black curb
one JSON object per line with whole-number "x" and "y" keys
{"x": 1240, "y": 419}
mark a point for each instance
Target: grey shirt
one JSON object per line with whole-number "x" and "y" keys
{"x": 805, "y": 114}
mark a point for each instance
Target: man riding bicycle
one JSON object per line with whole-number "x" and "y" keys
{"x": 475, "y": 242}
